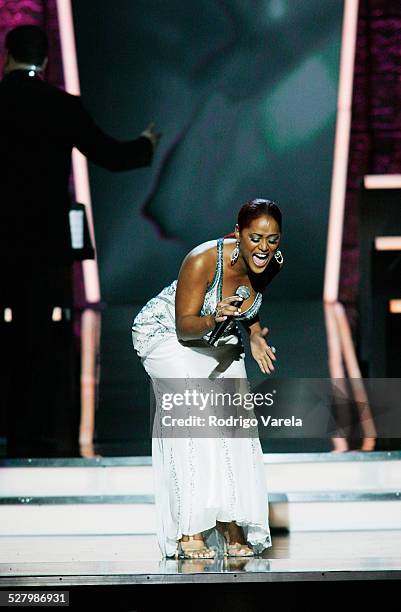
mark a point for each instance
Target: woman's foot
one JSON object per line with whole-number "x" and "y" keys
{"x": 193, "y": 547}
{"x": 235, "y": 543}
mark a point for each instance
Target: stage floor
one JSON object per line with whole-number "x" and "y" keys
{"x": 129, "y": 559}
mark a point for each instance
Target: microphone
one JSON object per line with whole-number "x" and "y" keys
{"x": 242, "y": 292}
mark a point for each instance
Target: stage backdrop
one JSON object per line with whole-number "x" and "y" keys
{"x": 245, "y": 95}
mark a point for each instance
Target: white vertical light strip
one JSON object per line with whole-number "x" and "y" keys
{"x": 336, "y": 367}
{"x": 79, "y": 163}
{"x": 341, "y": 332}
{"x": 341, "y": 146}
{"x": 90, "y": 338}
{"x": 366, "y": 420}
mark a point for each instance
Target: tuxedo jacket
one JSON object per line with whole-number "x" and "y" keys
{"x": 39, "y": 126}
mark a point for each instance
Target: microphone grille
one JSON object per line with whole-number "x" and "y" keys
{"x": 243, "y": 292}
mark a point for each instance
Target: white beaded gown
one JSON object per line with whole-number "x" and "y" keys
{"x": 199, "y": 481}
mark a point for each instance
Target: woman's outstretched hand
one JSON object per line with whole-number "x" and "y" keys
{"x": 261, "y": 351}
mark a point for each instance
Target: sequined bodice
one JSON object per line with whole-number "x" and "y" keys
{"x": 214, "y": 294}
{"x": 156, "y": 320}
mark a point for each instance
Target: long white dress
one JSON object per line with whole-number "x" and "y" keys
{"x": 198, "y": 480}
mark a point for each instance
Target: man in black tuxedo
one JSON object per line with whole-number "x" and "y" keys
{"x": 39, "y": 126}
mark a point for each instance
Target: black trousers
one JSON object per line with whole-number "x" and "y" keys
{"x": 40, "y": 386}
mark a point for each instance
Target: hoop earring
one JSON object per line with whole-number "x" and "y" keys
{"x": 235, "y": 254}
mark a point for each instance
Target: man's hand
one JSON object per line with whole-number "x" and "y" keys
{"x": 153, "y": 135}
{"x": 261, "y": 351}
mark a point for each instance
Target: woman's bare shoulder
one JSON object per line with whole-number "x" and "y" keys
{"x": 200, "y": 264}
{"x": 203, "y": 255}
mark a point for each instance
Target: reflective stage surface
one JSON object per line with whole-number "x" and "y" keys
{"x": 126, "y": 559}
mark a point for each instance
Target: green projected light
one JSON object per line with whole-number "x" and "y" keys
{"x": 245, "y": 95}
{"x": 276, "y": 9}
{"x": 301, "y": 105}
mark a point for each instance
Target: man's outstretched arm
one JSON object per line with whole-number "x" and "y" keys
{"x": 108, "y": 152}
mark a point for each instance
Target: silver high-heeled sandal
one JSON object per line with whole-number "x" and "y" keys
{"x": 194, "y": 549}
{"x": 236, "y": 549}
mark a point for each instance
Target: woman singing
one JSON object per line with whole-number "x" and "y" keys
{"x": 216, "y": 484}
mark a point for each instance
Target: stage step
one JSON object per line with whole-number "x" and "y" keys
{"x": 307, "y": 492}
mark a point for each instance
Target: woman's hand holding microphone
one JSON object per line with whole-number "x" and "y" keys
{"x": 225, "y": 308}
{"x": 263, "y": 354}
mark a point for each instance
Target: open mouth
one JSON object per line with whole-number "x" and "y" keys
{"x": 259, "y": 259}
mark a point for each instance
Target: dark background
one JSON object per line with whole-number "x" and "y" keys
{"x": 245, "y": 95}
